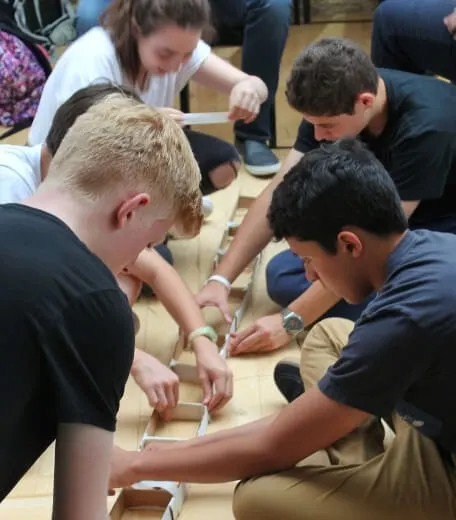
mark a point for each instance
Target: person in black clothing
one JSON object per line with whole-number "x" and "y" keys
{"x": 122, "y": 176}
{"x": 407, "y": 120}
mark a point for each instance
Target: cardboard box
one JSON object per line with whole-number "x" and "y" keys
{"x": 162, "y": 502}
{"x": 192, "y": 418}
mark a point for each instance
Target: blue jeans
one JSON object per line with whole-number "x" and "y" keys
{"x": 409, "y": 35}
{"x": 88, "y": 12}
{"x": 265, "y": 24}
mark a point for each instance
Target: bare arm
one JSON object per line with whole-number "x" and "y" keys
{"x": 80, "y": 484}
{"x": 170, "y": 289}
{"x": 409, "y": 207}
{"x": 218, "y": 74}
{"x": 213, "y": 372}
{"x": 254, "y": 233}
{"x": 310, "y": 423}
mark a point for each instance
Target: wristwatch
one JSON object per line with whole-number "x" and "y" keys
{"x": 292, "y": 322}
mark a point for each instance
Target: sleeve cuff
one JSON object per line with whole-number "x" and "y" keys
{"x": 330, "y": 389}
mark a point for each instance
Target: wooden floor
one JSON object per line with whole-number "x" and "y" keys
{"x": 254, "y": 392}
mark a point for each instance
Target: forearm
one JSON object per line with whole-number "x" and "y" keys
{"x": 220, "y": 457}
{"x": 76, "y": 476}
{"x": 254, "y": 233}
{"x": 315, "y": 302}
{"x": 138, "y": 357}
{"x": 178, "y": 301}
{"x": 170, "y": 289}
{"x": 251, "y": 238}
{"x": 230, "y": 433}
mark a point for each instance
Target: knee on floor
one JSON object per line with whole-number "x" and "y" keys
{"x": 277, "y": 9}
{"x": 275, "y": 271}
{"x": 249, "y": 501}
{"x": 388, "y": 11}
{"x": 222, "y": 176}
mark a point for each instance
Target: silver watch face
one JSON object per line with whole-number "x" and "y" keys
{"x": 292, "y": 323}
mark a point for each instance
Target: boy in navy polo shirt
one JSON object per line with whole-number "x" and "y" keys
{"x": 341, "y": 214}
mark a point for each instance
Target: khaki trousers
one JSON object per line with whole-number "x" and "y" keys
{"x": 357, "y": 478}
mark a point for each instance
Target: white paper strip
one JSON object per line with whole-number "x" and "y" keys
{"x": 206, "y": 118}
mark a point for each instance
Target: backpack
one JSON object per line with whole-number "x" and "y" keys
{"x": 49, "y": 22}
{"x": 24, "y": 69}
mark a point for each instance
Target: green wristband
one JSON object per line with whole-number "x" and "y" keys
{"x": 206, "y": 331}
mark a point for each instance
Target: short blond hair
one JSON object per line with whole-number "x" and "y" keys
{"x": 122, "y": 143}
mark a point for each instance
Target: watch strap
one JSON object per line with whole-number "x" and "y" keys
{"x": 206, "y": 331}
{"x": 289, "y": 314}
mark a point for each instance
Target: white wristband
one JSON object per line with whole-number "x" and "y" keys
{"x": 219, "y": 279}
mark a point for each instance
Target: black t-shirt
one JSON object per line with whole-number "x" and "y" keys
{"x": 401, "y": 354}
{"x": 417, "y": 146}
{"x": 66, "y": 341}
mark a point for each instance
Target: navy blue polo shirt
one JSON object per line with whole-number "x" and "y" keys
{"x": 401, "y": 355}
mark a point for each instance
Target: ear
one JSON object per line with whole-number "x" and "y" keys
{"x": 128, "y": 208}
{"x": 366, "y": 99}
{"x": 349, "y": 243}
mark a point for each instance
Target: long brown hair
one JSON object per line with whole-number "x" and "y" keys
{"x": 149, "y": 16}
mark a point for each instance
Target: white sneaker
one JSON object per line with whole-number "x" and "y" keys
{"x": 207, "y": 207}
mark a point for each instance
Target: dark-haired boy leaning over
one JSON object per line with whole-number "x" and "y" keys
{"x": 340, "y": 213}
{"x": 408, "y": 121}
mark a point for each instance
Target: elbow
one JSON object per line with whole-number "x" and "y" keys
{"x": 272, "y": 457}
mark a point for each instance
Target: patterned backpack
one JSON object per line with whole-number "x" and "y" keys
{"x": 24, "y": 68}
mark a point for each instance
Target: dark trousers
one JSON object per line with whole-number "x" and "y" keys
{"x": 410, "y": 35}
{"x": 265, "y": 25}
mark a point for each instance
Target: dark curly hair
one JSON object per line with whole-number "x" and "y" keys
{"x": 337, "y": 185}
{"x": 327, "y": 77}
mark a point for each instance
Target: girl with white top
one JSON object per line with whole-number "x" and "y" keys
{"x": 155, "y": 47}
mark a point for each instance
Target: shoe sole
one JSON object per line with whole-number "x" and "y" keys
{"x": 263, "y": 171}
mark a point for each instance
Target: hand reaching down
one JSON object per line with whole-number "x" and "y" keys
{"x": 214, "y": 374}
{"x": 214, "y": 294}
{"x": 158, "y": 382}
{"x": 265, "y": 334}
{"x": 246, "y": 98}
